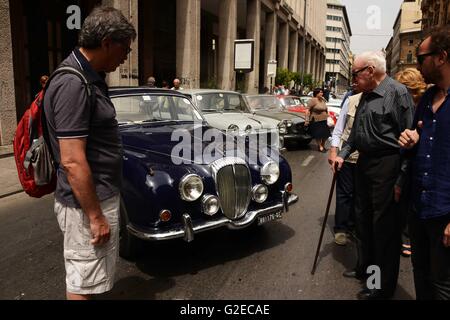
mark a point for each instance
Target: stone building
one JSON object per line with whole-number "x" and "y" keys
{"x": 407, "y": 36}
{"x": 436, "y": 13}
{"x": 189, "y": 39}
{"x": 338, "y": 47}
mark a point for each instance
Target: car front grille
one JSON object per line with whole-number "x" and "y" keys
{"x": 233, "y": 183}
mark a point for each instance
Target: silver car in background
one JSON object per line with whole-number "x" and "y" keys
{"x": 229, "y": 112}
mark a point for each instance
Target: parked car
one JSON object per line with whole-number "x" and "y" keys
{"x": 334, "y": 108}
{"x": 295, "y": 103}
{"x": 228, "y": 111}
{"x": 291, "y": 101}
{"x": 167, "y": 195}
{"x": 271, "y": 106}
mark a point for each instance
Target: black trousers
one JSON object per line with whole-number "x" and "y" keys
{"x": 345, "y": 209}
{"x": 378, "y": 229}
{"x": 430, "y": 258}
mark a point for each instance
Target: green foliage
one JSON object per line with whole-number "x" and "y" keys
{"x": 283, "y": 77}
{"x": 296, "y": 77}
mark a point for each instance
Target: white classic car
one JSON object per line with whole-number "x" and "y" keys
{"x": 229, "y": 112}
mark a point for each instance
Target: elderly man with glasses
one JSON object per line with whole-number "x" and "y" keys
{"x": 385, "y": 111}
{"x": 429, "y": 147}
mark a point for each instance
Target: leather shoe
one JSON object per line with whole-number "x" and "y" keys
{"x": 367, "y": 294}
{"x": 353, "y": 274}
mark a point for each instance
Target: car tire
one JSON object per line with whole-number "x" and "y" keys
{"x": 130, "y": 247}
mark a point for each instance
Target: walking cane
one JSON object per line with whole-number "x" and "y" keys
{"x": 333, "y": 183}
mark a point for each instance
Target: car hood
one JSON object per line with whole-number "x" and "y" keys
{"x": 294, "y": 117}
{"x": 172, "y": 143}
{"x": 223, "y": 120}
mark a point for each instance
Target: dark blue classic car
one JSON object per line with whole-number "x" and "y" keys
{"x": 178, "y": 181}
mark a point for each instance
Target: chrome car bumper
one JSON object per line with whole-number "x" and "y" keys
{"x": 189, "y": 228}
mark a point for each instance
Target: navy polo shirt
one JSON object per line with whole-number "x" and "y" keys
{"x": 431, "y": 164}
{"x": 69, "y": 116}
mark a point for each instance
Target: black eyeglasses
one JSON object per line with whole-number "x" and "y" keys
{"x": 421, "y": 57}
{"x": 355, "y": 73}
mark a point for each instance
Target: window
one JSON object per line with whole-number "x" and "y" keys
{"x": 409, "y": 57}
{"x": 410, "y": 42}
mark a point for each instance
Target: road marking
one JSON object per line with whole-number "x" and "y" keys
{"x": 307, "y": 161}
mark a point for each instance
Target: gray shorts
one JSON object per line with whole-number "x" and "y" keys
{"x": 89, "y": 269}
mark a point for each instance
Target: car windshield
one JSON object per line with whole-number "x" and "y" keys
{"x": 221, "y": 102}
{"x": 265, "y": 103}
{"x": 153, "y": 108}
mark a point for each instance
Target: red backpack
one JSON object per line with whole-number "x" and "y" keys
{"x": 34, "y": 159}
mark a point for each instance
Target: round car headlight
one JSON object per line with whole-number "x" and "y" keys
{"x": 191, "y": 187}
{"x": 248, "y": 129}
{"x": 270, "y": 173}
{"x": 233, "y": 129}
{"x": 282, "y": 128}
{"x": 210, "y": 204}
{"x": 260, "y": 193}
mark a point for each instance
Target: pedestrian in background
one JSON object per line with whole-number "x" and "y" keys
{"x": 345, "y": 211}
{"x": 416, "y": 86}
{"x": 165, "y": 84}
{"x": 43, "y": 81}
{"x": 317, "y": 119}
{"x": 151, "y": 82}
{"x": 385, "y": 111}
{"x": 85, "y": 141}
{"x": 176, "y": 84}
{"x": 429, "y": 224}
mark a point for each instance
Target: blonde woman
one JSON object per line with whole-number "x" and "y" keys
{"x": 413, "y": 80}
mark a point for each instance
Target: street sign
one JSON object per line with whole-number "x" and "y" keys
{"x": 272, "y": 68}
{"x": 244, "y": 55}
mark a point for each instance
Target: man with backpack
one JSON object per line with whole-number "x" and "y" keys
{"x": 85, "y": 143}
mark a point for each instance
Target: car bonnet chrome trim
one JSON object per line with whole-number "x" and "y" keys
{"x": 232, "y": 185}
{"x": 188, "y": 229}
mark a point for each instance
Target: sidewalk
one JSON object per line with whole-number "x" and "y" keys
{"x": 9, "y": 181}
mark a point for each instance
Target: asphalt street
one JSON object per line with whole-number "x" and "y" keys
{"x": 270, "y": 262}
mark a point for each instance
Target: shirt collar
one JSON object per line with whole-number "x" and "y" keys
{"x": 382, "y": 87}
{"x": 91, "y": 75}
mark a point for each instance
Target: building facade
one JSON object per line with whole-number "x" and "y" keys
{"x": 338, "y": 55}
{"x": 189, "y": 39}
{"x": 407, "y": 36}
{"x": 436, "y": 13}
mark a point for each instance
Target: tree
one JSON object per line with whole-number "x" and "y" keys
{"x": 284, "y": 77}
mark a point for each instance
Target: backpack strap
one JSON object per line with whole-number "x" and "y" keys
{"x": 92, "y": 98}
{"x": 89, "y": 86}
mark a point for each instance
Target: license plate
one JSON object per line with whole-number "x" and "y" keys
{"x": 270, "y": 217}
